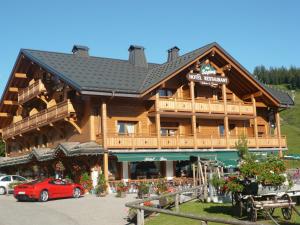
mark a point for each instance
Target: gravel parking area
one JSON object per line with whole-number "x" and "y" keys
{"x": 88, "y": 210}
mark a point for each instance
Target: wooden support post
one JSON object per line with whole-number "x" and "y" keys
{"x": 255, "y": 120}
{"x": 226, "y": 124}
{"x": 157, "y": 120}
{"x": 177, "y": 203}
{"x": 140, "y": 216}
{"x": 194, "y": 125}
{"x": 278, "y": 128}
{"x": 194, "y": 175}
{"x": 104, "y": 140}
{"x": 91, "y": 120}
{"x": 226, "y": 129}
{"x": 105, "y": 165}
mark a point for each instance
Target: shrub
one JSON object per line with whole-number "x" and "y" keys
{"x": 101, "y": 187}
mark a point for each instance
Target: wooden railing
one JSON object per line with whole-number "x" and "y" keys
{"x": 42, "y": 118}
{"x": 186, "y": 142}
{"x": 209, "y": 106}
{"x": 31, "y": 91}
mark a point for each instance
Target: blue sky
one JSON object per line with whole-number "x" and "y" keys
{"x": 254, "y": 32}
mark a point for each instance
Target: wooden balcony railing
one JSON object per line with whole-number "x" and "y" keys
{"x": 31, "y": 91}
{"x": 52, "y": 114}
{"x": 179, "y": 141}
{"x": 209, "y": 106}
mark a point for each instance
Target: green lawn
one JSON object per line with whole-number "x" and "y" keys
{"x": 291, "y": 124}
{"x": 208, "y": 209}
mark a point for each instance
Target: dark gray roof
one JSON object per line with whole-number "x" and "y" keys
{"x": 43, "y": 154}
{"x": 119, "y": 76}
{"x": 77, "y": 148}
{"x": 92, "y": 73}
{"x": 283, "y": 97}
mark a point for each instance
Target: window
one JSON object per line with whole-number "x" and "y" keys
{"x": 17, "y": 178}
{"x": 126, "y": 127}
{"x": 145, "y": 170}
{"x": 7, "y": 179}
{"x": 168, "y": 129}
{"x": 221, "y": 130}
{"x": 165, "y": 93}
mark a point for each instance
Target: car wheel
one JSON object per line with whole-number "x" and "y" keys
{"x": 2, "y": 191}
{"x": 76, "y": 193}
{"x": 44, "y": 196}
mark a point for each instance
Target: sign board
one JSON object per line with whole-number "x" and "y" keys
{"x": 207, "y": 76}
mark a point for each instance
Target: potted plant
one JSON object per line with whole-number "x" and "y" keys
{"x": 121, "y": 190}
{"x": 86, "y": 182}
{"x": 101, "y": 188}
{"x": 162, "y": 188}
{"x": 143, "y": 190}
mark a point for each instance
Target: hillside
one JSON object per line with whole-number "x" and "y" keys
{"x": 291, "y": 124}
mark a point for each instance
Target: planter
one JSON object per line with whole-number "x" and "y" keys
{"x": 163, "y": 202}
{"x": 102, "y": 194}
{"x": 121, "y": 194}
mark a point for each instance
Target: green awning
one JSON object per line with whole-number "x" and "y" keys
{"x": 151, "y": 156}
{"x": 227, "y": 158}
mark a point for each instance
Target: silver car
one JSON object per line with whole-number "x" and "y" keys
{"x": 5, "y": 180}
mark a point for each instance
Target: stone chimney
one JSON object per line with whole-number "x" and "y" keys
{"x": 173, "y": 53}
{"x": 137, "y": 56}
{"x": 80, "y": 50}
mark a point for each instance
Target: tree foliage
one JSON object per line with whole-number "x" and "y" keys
{"x": 2, "y": 148}
{"x": 281, "y": 75}
{"x": 242, "y": 147}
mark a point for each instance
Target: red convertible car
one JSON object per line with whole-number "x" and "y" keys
{"x": 45, "y": 189}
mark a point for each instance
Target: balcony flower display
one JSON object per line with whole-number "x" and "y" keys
{"x": 121, "y": 190}
{"x": 86, "y": 182}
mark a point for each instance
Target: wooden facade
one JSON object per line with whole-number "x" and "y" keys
{"x": 40, "y": 110}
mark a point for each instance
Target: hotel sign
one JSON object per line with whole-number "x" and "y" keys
{"x": 207, "y": 76}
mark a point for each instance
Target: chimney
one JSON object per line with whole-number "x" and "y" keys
{"x": 80, "y": 50}
{"x": 137, "y": 56}
{"x": 173, "y": 53}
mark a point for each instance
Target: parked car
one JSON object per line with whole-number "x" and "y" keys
{"x": 5, "y": 180}
{"x": 45, "y": 189}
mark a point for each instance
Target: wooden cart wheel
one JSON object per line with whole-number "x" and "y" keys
{"x": 251, "y": 210}
{"x": 237, "y": 203}
{"x": 287, "y": 212}
{"x": 271, "y": 211}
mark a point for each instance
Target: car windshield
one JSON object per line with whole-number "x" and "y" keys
{"x": 36, "y": 181}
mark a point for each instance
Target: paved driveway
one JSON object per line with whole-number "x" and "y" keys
{"x": 88, "y": 210}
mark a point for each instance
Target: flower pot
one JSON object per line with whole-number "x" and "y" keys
{"x": 121, "y": 194}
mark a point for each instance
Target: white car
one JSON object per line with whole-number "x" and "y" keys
{"x": 6, "y": 180}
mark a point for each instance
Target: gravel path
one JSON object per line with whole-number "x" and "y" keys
{"x": 88, "y": 210}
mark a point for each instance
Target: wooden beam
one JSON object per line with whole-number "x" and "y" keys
{"x": 278, "y": 131}
{"x": 256, "y": 94}
{"x": 255, "y": 120}
{"x": 9, "y": 102}
{"x": 21, "y": 75}
{"x": 261, "y": 105}
{"x": 13, "y": 89}
{"x": 74, "y": 124}
{"x": 4, "y": 114}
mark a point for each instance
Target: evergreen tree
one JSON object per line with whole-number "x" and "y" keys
{"x": 281, "y": 75}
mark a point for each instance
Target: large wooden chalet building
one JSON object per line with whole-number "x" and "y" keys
{"x": 135, "y": 119}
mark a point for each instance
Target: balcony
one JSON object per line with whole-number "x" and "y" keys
{"x": 31, "y": 91}
{"x": 42, "y": 118}
{"x": 115, "y": 141}
{"x": 208, "y": 106}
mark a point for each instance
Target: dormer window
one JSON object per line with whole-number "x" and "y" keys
{"x": 165, "y": 92}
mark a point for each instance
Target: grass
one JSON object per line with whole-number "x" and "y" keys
{"x": 224, "y": 211}
{"x": 291, "y": 124}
